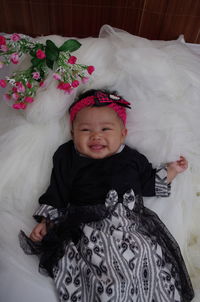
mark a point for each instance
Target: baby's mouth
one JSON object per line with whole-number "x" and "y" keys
{"x": 96, "y": 147}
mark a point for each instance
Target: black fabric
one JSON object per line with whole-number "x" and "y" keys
{"x": 79, "y": 180}
{"x": 67, "y": 228}
{"x": 151, "y": 225}
{"x": 78, "y": 183}
{"x": 80, "y": 186}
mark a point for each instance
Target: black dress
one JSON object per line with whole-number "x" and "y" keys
{"x": 105, "y": 245}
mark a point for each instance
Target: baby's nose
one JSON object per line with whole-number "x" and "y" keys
{"x": 96, "y": 135}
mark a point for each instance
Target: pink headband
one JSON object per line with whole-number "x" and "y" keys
{"x": 100, "y": 99}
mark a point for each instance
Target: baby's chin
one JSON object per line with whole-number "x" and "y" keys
{"x": 100, "y": 153}
{"x": 96, "y": 151}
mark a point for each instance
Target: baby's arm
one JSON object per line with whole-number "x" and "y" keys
{"x": 175, "y": 168}
{"x": 39, "y": 231}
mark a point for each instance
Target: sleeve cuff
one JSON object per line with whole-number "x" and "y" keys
{"x": 48, "y": 212}
{"x": 162, "y": 188}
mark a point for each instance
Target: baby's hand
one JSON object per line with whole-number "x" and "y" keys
{"x": 180, "y": 165}
{"x": 176, "y": 167}
{"x": 39, "y": 231}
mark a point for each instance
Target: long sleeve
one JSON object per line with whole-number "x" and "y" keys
{"x": 162, "y": 188}
{"x": 147, "y": 177}
{"x": 153, "y": 181}
{"x": 54, "y": 201}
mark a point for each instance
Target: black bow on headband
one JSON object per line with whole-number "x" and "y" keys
{"x": 103, "y": 98}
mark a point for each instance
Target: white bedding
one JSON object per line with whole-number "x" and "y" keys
{"x": 162, "y": 81}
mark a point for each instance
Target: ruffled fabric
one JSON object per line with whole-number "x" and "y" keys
{"x": 66, "y": 253}
{"x": 66, "y": 227}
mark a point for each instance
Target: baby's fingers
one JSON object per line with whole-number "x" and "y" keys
{"x": 38, "y": 232}
{"x": 35, "y": 236}
{"x": 43, "y": 231}
{"x": 182, "y": 162}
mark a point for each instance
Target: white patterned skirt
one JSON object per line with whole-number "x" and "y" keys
{"x": 128, "y": 256}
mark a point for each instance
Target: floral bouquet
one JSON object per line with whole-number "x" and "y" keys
{"x": 24, "y": 83}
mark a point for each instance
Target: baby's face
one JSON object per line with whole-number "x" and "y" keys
{"x": 98, "y": 132}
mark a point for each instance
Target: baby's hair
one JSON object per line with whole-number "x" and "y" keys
{"x": 91, "y": 92}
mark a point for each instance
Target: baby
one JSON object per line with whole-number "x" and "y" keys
{"x": 113, "y": 248}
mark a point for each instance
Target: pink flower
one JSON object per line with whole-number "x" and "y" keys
{"x": 75, "y": 83}
{"x": 84, "y": 80}
{"x": 1, "y": 64}
{"x": 14, "y": 89}
{"x": 72, "y": 60}
{"x": 3, "y": 83}
{"x": 36, "y": 75}
{"x": 20, "y": 87}
{"x": 90, "y": 69}
{"x": 23, "y": 106}
{"x": 28, "y": 85}
{"x": 57, "y": 76}
{"x": 15, "y": 37}
{"x": 14, "y": 58}
{"x": 4, "y": 48}
{"x": 16, "y": 106}
{"x": 15, "y": 96}
{"x": 29, "y": 99}
{"x": 60, "y": 85}
{"x": 40, "y": 54}
{"x": 64, "y": 86}
{"x": 2, "y": 40}
{"x": 42, "y": 84}
{"x": 19, "y": 105}
{"x": 7, "y": 97}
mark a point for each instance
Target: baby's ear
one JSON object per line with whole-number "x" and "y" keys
{"x": 123, "y": 135}
{"x": 124, "y": 132}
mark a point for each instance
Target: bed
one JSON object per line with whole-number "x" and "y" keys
{"x": 161, "y": 79}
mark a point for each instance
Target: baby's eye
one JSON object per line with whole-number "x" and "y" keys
{"x": 106, "y": 129}
{"x": 85, "y": 129}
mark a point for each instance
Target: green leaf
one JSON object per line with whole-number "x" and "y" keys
{"x": 49, "y": 63}
{"x": 51, "y": 51}
{"x": 32, "y": 53}
{"x": 70, "y": 45}
{"x": 42, "y": 73}
{"x": 35, "y": 62}
{"x": 51, "y": 45}
{"x": 51, "y": 55}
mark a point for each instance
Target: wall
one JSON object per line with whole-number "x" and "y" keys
{"x": 153, "y": 19}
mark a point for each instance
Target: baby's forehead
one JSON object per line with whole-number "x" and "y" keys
{"x": 102, "y": 114}
{"x": 102, "y": 111}
{"x": 97, "y": 116}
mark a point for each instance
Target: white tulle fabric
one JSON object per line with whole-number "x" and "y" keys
{"x": 162, "y": 81}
